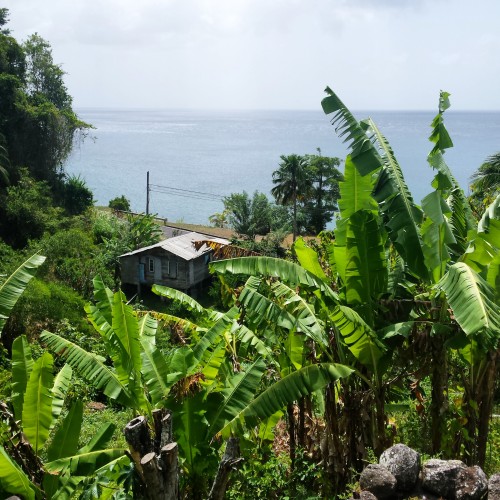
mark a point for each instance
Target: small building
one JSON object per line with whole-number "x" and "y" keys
{"x": 173, "y": 262}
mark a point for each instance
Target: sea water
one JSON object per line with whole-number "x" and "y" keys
{"x": 195, "y": 158}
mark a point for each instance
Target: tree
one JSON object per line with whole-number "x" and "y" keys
{"x": 485, "y": 184}
{"x": 322, "y": 202}
{"x": 120, "y": 203}
{"x": 77, "y": 195}
{"x": 291, "y": 183}
{"x": 36, "y": 116}
{"x": 249, "y": 216}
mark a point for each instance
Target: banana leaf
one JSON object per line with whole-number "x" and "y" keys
{"x": 12, "y": 288}
{"x": 472, "y": 300}
{"x": 13, "y": 479}
{"x": 22, "y": 364}
{"x": 179, "y": 297}
{"x": 65, "y": 441}
{"x": 37, "y": 407}
{"x": 91, "y": 368}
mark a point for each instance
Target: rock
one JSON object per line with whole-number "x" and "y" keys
{"x": 494, "y": 487}
{"x": 440, "y": 476}
{"x": 364, "y": 495}
{"x": 404, "y": 465}
{"x": 472, "y": 484}
{"x": 378, "y": 480}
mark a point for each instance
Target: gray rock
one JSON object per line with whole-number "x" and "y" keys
{"x": 494, "y": 487}
{"x": 378, "y": 480}
{"x": 472, "y": 484}
{"x": 404, "y": 465}
{"x": 440, "y": 476}
{"x": 364, "y": 495}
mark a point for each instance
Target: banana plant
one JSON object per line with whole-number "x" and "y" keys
{"x": 15, "y": 284}
{"x": 38, "y": 399}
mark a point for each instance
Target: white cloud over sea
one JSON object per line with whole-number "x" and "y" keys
{"x": 270, "y": 54}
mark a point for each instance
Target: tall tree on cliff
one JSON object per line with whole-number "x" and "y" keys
{"x": 36, "y": 117}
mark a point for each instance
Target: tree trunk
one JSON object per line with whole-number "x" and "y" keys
{"x": 230, "y": 460}
{"x": 155, "y": 458}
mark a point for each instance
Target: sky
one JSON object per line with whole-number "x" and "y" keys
{"x": 270, "y": 54}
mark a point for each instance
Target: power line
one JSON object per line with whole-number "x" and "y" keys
{"x": 185, "y": 192}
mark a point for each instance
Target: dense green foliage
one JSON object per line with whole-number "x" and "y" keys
{"x": 384, "y": 330}
{"x": 120, "y": 203}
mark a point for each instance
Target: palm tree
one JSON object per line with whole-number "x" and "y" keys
{"x": 291, "y": 180}
{"x": 486, "y": 179}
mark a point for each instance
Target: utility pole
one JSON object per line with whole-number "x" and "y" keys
{"x": 147, "y": 193}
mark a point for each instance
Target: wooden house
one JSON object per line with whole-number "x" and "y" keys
{"x": 173, "y": 262}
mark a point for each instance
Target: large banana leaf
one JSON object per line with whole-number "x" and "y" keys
{"x": 65, "y": 441}
{"x": 91, "y": 368}
{"x": 85, "y": 464}
{"x": 59, "y": 391}
{"x": 436, "y": 234}
{"x": 12, "y": 288}
{"x": 302, "y": 311}
{"x": 22, "y": 364}
{"x": 225, "y": 405}
{"x": 286, "y": 271}
{"x": 355, "y": 191}
{"x": 396, "y": 203}
{"x": 104, "y": 298}
{"x": 363, "y": 154}
{"x": 155, "y": 371}
{"x": 360, "y": 339}
{"x": 13, "y": 479}
{"x": 37, "y": 407}
{"x": 147, "y": 328}
{"x": 366, "y": 263}
{"x": 178, "y": 296}
{"x": 289, "y": 389}
{"x": 211, "y": 336}
{"x": 265, "y": 309}
{"x": 308, "y": 258}
{"x": 472, "y": 300}
{"x": 249, "y": 339}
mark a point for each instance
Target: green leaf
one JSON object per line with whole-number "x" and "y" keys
{"x": 355, "y": 191}
{"x": 147, "y": 328}
{"x": 65, "y": 441}
{"x": 12, "y": 288}
{"x": 308, "y": 258}
{"x": 104, "y": 299}
{"x": 235, "y": 398}
{"x": 291, "y": 388}
{"x": 91, "y": 368}
{"x": 37, "y": 407}
{"x": 100, "y": 440}
{"x": 472, "y": 300}
{"x": 59, "y": 391}
{"x": 360, "y": 339}
{"x": 155, "y": 371}
{"x": 366, "y": 263}
{"x": 179, "y": 297}
{"x": 22, "y": 364}
{"x": 439, "y": 134}
{"x": 286, "y": 271}
{"x": 363, "y": 154}
{"x": 396, "y": 203}
{"x": 13, "y": 479}
{"x": 85, "y": 464}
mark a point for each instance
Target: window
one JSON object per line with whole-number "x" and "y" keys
{"x": 151, "y": 265}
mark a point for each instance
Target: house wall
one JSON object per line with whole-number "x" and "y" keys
{"x": 168, "y": 269}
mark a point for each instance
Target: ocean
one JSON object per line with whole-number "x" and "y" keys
{"x": 195, "y": 158}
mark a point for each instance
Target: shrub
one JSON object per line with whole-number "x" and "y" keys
{"x": 120, "y": 203}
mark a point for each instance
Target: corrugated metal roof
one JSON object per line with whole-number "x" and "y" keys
{"x": 182, "y": 246}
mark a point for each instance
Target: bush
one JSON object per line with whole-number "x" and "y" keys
{"x": 77, "y": 195}
{"x": 120, "y": 203}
